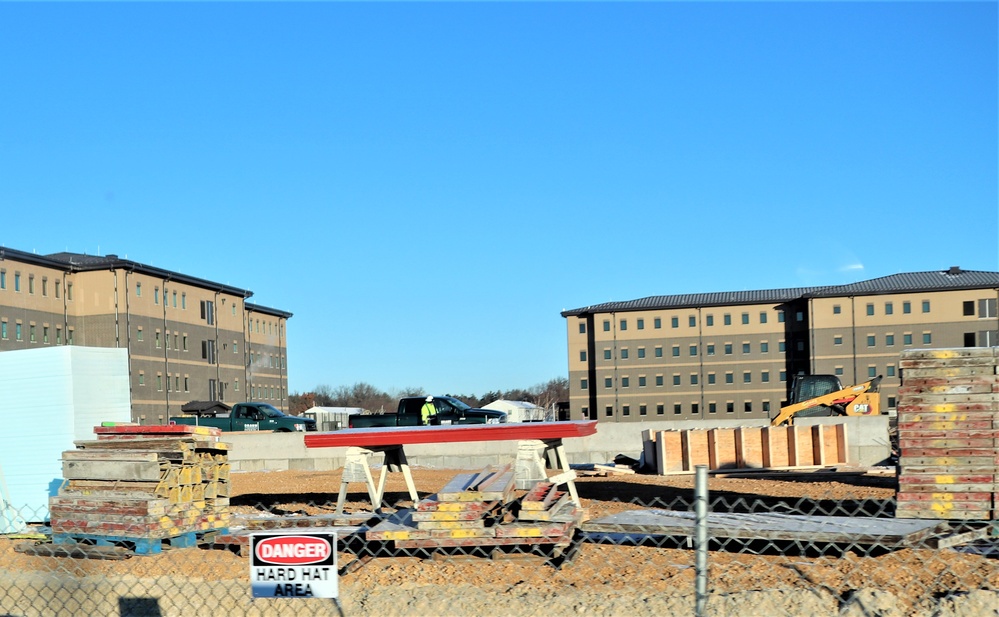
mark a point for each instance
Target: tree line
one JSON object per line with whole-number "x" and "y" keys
{"x": 370, "y": 398}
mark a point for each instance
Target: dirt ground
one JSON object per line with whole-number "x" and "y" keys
{"x": 606, "y": 579}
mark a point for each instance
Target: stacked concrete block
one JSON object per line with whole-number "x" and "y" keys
{"x": 948, "y": 430}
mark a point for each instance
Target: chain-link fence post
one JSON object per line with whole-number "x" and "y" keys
{"x": 701, "y": 535}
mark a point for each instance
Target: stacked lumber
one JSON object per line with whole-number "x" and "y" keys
{"x": 948, "y": 431}
{"x": 475, "y": 510}
{"x": 773, "y": 447}
{"x": 143, "y": 485}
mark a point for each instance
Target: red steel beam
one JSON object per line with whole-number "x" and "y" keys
{"x": 397, "y": 436}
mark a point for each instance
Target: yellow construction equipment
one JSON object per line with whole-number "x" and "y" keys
{"x": 824, "y": 395}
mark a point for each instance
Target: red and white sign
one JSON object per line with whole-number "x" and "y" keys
{"x": 294, "y": 565}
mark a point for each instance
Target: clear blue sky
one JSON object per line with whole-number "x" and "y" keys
{"x": 427, "y": 186}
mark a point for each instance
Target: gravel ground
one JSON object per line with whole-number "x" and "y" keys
{"x": 600, "y": 579}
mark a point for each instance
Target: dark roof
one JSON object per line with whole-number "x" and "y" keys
{"x": 256, "y": 308}
{"x": 205, "y": 408}
{"x": 76, "y": 262}
{"x": 954, "y": 278}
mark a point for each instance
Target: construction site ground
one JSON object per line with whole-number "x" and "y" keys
{"x": 649, "y": 578}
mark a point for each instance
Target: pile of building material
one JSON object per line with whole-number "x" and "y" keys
{"x": 948, "y": 430}
{"x": 144, "y": 486}
{"x": 775, "y": 447}
{"x": 482, "y": 510}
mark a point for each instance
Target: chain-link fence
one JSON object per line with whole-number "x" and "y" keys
{"x": 816, "y": 542}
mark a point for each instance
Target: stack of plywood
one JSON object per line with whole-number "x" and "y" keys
{"x": 143, "y": 485}
{"x": 481, "y": 510}
{"x": 948, "y": 431}
{"x": 779, "y": 447}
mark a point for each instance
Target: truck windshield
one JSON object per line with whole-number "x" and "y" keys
{"x": 456, "y": 403}
{"x": 269, "y": 412}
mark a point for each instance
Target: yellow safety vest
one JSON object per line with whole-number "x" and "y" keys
{"x": 427, "y": 411}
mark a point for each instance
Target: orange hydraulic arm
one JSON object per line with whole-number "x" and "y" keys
{"x": 860, "y": 400}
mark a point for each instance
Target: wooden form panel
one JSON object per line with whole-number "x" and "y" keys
{"x": 783, "y": 447}
{"x": 948, "y": 428}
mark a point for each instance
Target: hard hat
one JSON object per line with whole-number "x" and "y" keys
{"x": 430, "y": 399}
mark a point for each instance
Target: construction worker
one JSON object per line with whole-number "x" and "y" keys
{"x": 428, "y": 410}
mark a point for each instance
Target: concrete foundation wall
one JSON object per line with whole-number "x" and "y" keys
{"x": 867, "y": 439}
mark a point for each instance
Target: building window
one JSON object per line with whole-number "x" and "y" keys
{"x": 69, "y": 292}
{"x": 747, "y": 377}
{"x": 693, "y": 350}
{"x": 626, "y": 410}
{"x": 187, "y": 384}
{"x": 839, "y": 371}
{"x": 45, "y": 334}
{"x": 763, "y": 317}
{"x": 871, "y": 340}
{"x": 31, "y": 333}
{"x": 712, "y": 407}
{"x": 783, "y": 376}
{"x": 138, "y": 289}
{"x": 625, "y": 382}
{"x": 659, "y": 352}
{"x": 156, "y": 295}
{"x": 727, "y": 319}
{"x": 780, "y": 316}
{"x": 906, "y": 307}
{"x": 184, "y": 346}
{"x": 606, "y": 325}
{"x": 674, "y": 322}
{"x": 183, "y": 301}
{"x": 926, "y": 306}
{"x": 157, "y": 339}
{"x": 890, "y": 370}
{"x": 608, "y": 382}
{"x": 729, "y": 377}
{"x": 624, "y": 325}
{"x": 692, "y": 321}
{"x": 711, "y": 349}
{"x": 870, "y": 309}
{"x": 174, "y": 295}
{"x": 837, "y": 340}
{"x": 709, "y": 320}
{"x": 676, "y": 380}
{"x": 694, "y": 408}
{"x": 766, "y": 407}
{"x": 659, "y": 380}
{"x": 987, "y": 308}
{"x": 582, "y": 354}
{"x": 693, "y": 379}
{"x": 643, "y": 410}
{"x": 3, "y": 279}
{"x": 745, "y": 319}
{"x": 889, "y": 340}
{"x": 889, "y": 308}
{"x": 56, "y": 288}
{"x": 142, "y": 378}
{"x": 729, "y": 407}
{"x": 640, "y": 324}
{"x": 624, "y": 353}
{"x": 765, "y": 376}
{"x": 159, "y": 383}
{"x": 45, "y": 286}
{"x": 711, "y": 378}
{"x": 58, "y": 335}
{"x": 609, "y": 411}
{"x": 747, "y": 406}
{"x": 907, "y": 339}
{"x": 641, "y": 381}
{"x": 764, "y": 347}
{"x": 781, "y": 346}
{"x": 641, "y": 352}
{"x": 728, "y": 349}
{"x": 676, "y": 351}
{"x": 583, "y": 384}
{"x": 676, "y": 408}
{"x": 927, "y": 338}
{"x": 836, "y": 309}
{"x": 799, "y": 316}
{"x": 657, "y": 323}
{"x": 660, "y": 409}
{"x": 17, "y": 281}
{"x": 607, "y": 354}
{"x": 872, "y": 371}
{"x": 746, "y": 348}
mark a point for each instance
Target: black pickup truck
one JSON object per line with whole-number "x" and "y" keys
{"x": 449, "y": 410}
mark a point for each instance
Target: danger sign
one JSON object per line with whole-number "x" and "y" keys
{"x": 294, "y": 565}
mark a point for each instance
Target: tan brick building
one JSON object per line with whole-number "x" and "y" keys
{"x": 187, "y": 338}
{"x": 729, "y": 355}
